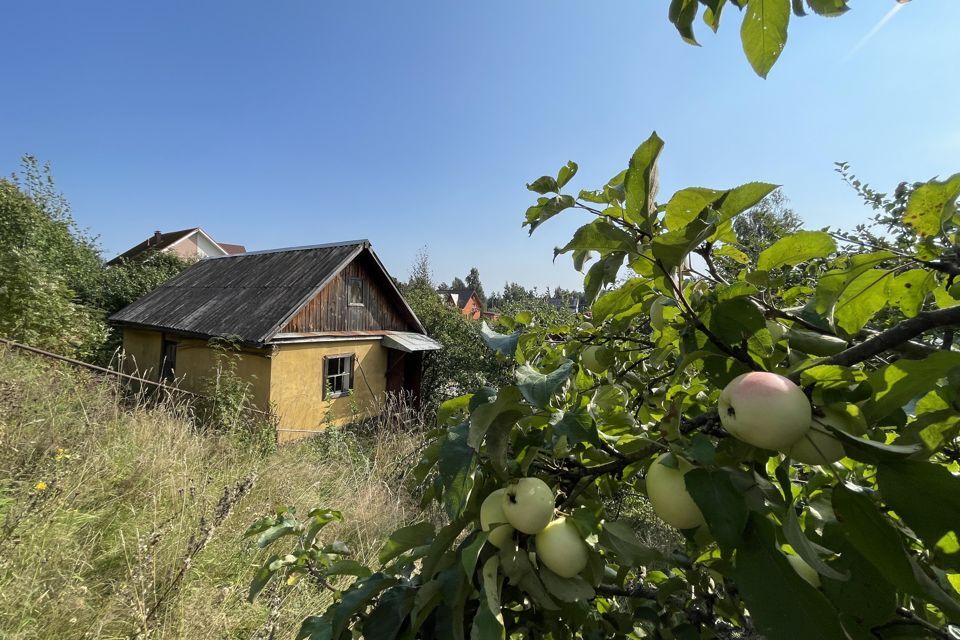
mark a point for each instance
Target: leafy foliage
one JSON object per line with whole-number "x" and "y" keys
{"x": 47, "y": 266}
{"x": 592, "y": 405}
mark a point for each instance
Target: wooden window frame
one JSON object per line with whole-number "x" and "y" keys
{"x": 350, "y": 282}
{"x": 328, "y": 393}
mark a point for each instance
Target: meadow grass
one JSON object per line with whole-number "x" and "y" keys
{"x": 119, "y": 519}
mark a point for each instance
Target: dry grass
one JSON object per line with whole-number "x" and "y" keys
{"x": 119, "y": 518}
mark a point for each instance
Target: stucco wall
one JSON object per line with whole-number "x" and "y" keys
{"x": 186, "y": 248}
{"x": 142, "y": 353}
{"x": 297, "y": 380}
{"x": 195, "y": 361}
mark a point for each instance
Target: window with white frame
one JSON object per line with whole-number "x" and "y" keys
{"x": 337, "y": 375}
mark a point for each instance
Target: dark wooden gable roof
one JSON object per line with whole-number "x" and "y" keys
{"x": 253, "y": 296}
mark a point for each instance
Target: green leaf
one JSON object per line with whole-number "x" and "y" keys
{"x": 871, "y": 451}
{"x": 456, "y": 469}
{"x": 451, "y": 407}
{"x": 687, "y": 204}
{"x": 935, "y": 519}
{"x": 286, "y": 528}
{"x": 766, "y": 581}
{"x": 861, "y": 299}
{"x": 866, "y": 599}
{"x": 829, "y": 8}
{"x": 602, "y": 273}
{"x": 621, "y": 540}
{"x": 672, "y": 247}
{"x": 502, "y": 344}
{"x": 544, "y": 185}
{"x": 833, "y": 282}
{"x": 566, "y": 589}
{"x": 722, "y": 504}
{"x": 932, "y": 204}
{"x": 805, "y": 548}
{"x": 316, "y": 628}
{"x": 729, "y": 251}
{"x": 711, "y": 14}
{"x": 319, "y": 518}
{"x": 356, "y": 598}
{"x": 545, "y": 209}
{"x": 387, "y": 618}
{"x": 261, "y": 578}
{"x": 347, "y": 567}
{"x": 599, "y": 236}
{"x": 538, "y": 388}
{"x": 488, "y": 623}
{"x": 682, "y": 13}
{"x": 469, "y": 553}
{"x": 899, "y": 382}
{"x": 567, "y": 172}
{"x": 742, "y": 198}
{"x": 619, "y": 300}
{"x": 641, "y": 182}
{"x": 796, "y": 248}
{"x": 516, "y": 566}
{"x": 910, "y": 288}
{"x": 874, "y": 537}
{"x": 575, "y": 425}
{"x": 404, "y": 539}
{"x": 764, "y": 33}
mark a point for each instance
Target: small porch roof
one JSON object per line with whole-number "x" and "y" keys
{"x": 410, "y": 342}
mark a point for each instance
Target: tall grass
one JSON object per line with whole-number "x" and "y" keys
{"x": 118, "y": 519}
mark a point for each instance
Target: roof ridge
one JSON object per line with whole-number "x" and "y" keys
{"x": 328, "y": 245}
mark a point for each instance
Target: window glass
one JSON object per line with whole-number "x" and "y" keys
{"x": 355, "y": 291}
{"x": 339, "y": 375}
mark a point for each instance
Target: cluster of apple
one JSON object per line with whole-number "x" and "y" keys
{"x": 527, "y": 506}
{"x": 767, "y": 411}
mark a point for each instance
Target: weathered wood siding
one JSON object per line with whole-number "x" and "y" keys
{"x": 330, "y": 310}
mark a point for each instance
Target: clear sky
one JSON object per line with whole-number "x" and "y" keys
{"x": 418, "y": 123}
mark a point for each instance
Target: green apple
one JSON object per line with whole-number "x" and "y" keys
{"x": 764, "y": 409}
{"x": 804, "y": 570}
{"x": 819, "y": 445}
{"x": 561, "y": 549}
{"x": 491, "y": 516}
{"x": 594, "y": 358}
{"x": 528, "y": 505}
{"x": 668, "y": 495}
{"x": 657, "y": 321}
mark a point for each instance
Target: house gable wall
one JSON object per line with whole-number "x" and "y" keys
{"x": 297, "y": 382}
{"x": 330, "y": 310}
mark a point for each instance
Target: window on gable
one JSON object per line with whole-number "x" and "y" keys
{"x": 355, "y": 291}
{"x": 337, "y": 375}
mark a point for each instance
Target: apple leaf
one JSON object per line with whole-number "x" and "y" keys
{"x": 937, "y": 522}
{"x": 386, "y": 619}
{"x": 931, "y": 204}
{"x": 538, "y": 388}
{"x": 566, "y": 589}
{"x": 722, "y": 504}
{"x": 764, "y": 33}
{"x": 805, "y": 548}
{"x": 640, "y": 181}
{"x": 899, "y": 382}
{"x": 766, "y": 580}
{"x": 796, "y": 248}
{"x": 404, "y": 539}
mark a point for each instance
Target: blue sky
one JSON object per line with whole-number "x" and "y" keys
{"x": 418, "y": 123}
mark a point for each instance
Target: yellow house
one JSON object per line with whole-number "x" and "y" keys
{"x": 323, "y": 331}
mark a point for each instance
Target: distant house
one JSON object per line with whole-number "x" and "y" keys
{"x": 323, "y": 331}
{"x": 189, "y": 244}
{"x": 464, "y": 299}
{"x": 572, "y": 303}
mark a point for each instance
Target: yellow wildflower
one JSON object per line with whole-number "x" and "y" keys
{"x": 40, "y": 486}
{"x": 60, "y": 454}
